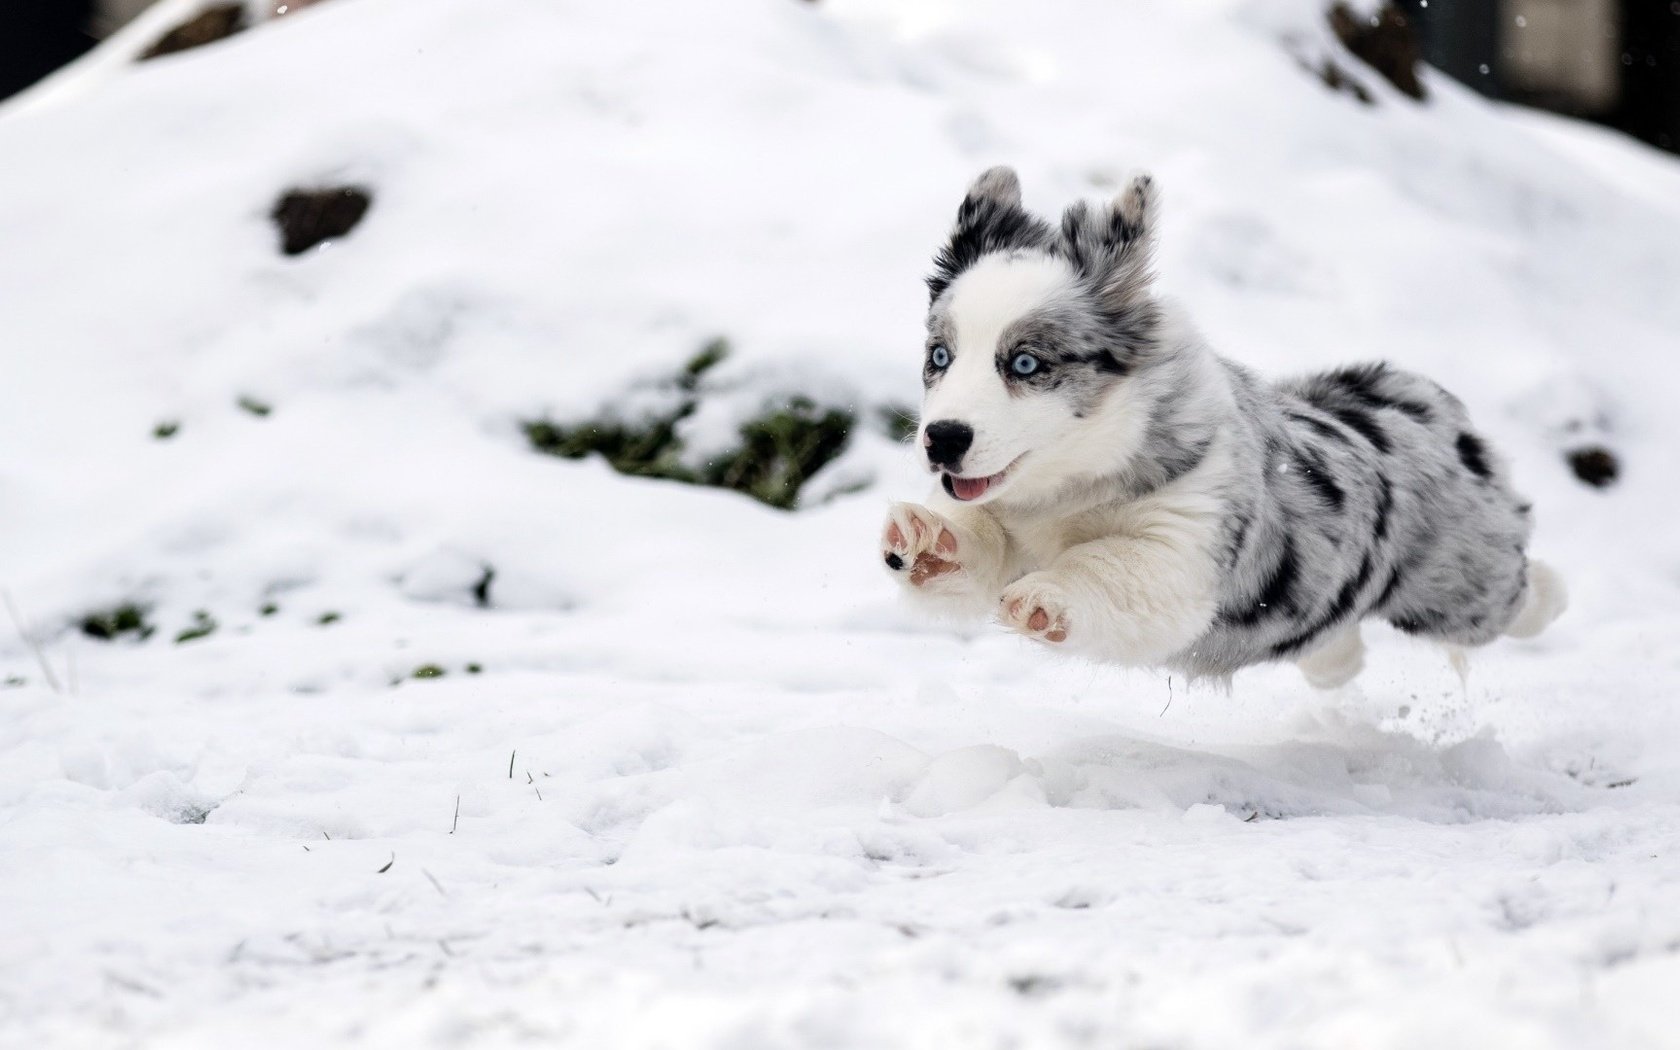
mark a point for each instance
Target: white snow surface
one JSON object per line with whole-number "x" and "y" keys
{"x": 713, "y": 787}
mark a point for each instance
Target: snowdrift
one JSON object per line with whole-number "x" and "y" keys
{"x": 403, "y": 732}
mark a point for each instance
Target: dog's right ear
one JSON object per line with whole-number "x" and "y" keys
{"x": 990, "y": 219}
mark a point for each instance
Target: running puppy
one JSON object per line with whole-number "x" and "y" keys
{"x": 1110, "y": 486}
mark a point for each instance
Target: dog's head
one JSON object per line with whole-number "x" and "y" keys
{"x": 1033, "y": 332}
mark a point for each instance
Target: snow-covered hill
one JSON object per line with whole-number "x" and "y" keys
{"x": 469, "y": 745}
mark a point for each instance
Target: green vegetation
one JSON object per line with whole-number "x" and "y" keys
{"x": 429, "y": 671}
{"x": 203, "y": 626}
{"x": 898, "y": 422}
{"x": 327, "y": 619}
{"x": 166, "y": 429}
{"x": 108, "y": 625}
{"x": 649, "y": 450}
{"x": 779, "y": 451}
{"x": 710, "y": 356}
{"x": 260, "y": 409}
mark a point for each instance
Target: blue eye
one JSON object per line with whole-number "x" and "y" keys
{"x": 940, "y": 357}
{"x": 1024, "y": 364}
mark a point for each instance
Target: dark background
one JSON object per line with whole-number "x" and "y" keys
{"x": 38, "y": 36}
{"x": 1459, "y": 37}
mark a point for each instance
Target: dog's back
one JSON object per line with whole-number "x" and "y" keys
{"x": 1362, "y": 492}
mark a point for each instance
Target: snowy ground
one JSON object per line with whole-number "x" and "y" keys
{"x": 712, "y": 787}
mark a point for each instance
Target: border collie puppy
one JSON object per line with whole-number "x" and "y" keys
{"x": 1109, "y": 486}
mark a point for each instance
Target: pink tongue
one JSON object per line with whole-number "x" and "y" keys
{"x": 970, "y": 488}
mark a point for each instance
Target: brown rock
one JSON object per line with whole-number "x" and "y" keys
{"x": 310, "y": 217}
{"x": 206, "y": 27}
{"x": 1384, "y": 41}
{"x": 1595, "y": 465}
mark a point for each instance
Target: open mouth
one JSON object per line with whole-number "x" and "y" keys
{"x": 966, "y": 489}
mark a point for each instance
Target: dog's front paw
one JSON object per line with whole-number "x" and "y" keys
{"x": 1036, "y": 606}
{"x": 918, "y": 545}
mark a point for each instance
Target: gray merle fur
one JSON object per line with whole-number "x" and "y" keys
{"x": 1392, "y": 521}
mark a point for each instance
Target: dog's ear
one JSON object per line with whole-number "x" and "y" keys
{"x": 989, "y": 219}
{"x": 999, "y": 187}
{"x": 1114, "y": 246}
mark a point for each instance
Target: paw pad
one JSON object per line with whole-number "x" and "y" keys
{"x": 1034, "y": 612}
{"x": 919, "y": 540}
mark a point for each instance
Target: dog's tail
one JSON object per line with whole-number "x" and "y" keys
{"x": 1544, "y": 599}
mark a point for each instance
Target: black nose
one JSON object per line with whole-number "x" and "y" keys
{"x": 947, "y": 441}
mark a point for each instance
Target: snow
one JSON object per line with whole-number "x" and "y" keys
{"x": 713, "y": 786}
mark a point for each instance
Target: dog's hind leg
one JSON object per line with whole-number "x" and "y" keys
{"x": 1544, "y": 599}
{"x": 1337, "y": 661}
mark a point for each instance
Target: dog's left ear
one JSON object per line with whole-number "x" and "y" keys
{"x": 1114, "y": 246}
{"x": 990, "y": 219}
{"x": 997, "y": 189}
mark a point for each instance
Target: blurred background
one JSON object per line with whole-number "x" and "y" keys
{"x": 1616, "y": 62}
